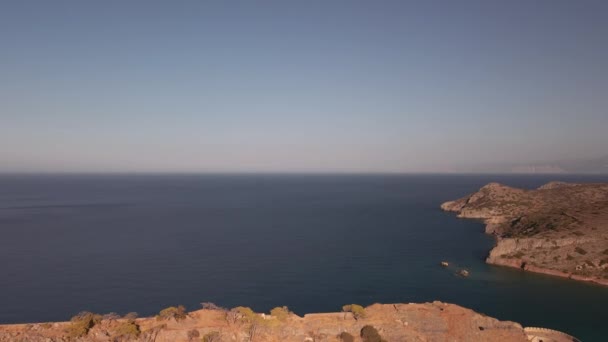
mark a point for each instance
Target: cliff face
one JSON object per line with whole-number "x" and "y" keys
{"x": 395, "y": 322}
{"x": 559, "y": 229}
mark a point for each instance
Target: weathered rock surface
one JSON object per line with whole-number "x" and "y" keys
{"x": 395, "y": 322}
{"x": 558, "y": 229}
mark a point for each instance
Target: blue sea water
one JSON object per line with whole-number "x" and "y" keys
{"x": 121, "y": 243}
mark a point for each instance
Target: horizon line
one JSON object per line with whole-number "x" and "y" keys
{"x": 279, "y": 173}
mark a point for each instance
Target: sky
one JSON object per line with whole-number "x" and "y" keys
{"x": 300, "y": 86}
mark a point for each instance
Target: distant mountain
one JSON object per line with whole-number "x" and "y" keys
{"x": 538, "y": 169}
{"x": 599, "y": 165}
{"x": 588, "y": 166}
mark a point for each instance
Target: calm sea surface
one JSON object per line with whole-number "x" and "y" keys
{"x": 312, "y": 242}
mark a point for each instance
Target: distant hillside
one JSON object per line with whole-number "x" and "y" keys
{"x": 599, "y": 165}
{"x": 559, "y": 228}
{"x": 588, "y": 166}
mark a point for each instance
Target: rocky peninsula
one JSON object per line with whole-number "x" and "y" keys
{"x": 435, "y": 321}
{"x": 558, "y": 229}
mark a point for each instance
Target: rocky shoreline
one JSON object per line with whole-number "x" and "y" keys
{"x": 559, "y": 229}
{"x": 435, "y": 321}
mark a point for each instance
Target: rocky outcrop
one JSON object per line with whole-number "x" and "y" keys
{"x": 559, "y": 229}
{"x": 395, "y": 322}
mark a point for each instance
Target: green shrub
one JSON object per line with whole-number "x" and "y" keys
{"x": 357, "y": 310}
{"x": 281, "y": 313}
{"x": 370, "y": 334}
{"x": 76, "y": 330}
{"x": 82, "y": 323}
{"x": 172, "y": 312}
{"x": 246, "y": 313}
{"x": 127, "y": 329}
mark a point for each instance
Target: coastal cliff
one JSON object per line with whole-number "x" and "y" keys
{"x": 435, "y": 321}
{"x": 559, "y": 229}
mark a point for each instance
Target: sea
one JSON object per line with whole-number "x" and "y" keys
{"x": 313, "y": 242}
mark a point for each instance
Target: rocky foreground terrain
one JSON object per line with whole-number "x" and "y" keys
{"x": 377, "y": 323}
{"x": 559, "y": 229}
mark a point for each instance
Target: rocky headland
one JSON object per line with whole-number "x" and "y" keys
{"x": 435, "y": 321}
{"x": 559, "y": 229}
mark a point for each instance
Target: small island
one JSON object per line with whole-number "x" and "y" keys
{"x": 558, "y": 229}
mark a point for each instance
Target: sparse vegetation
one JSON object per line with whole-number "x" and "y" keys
{"x": 357, "y": 310}
{"x": 281, "y": 313}
{"x": 245, "y": 313}
{"x": 173, "y": 312}
{"x": 193, "y": 335}
{"x": 232, "y": 316}
{"x": 131, "y": 315}
{"x": 81, "y": 324}
{"x": 254, "y": 329}
{"x": 127, "y": 329}
{"x": 211, "y": 306}
{"x": 112, "y": 316}
{"x": 213, "y": 336}
{"x": 518, "y": 254}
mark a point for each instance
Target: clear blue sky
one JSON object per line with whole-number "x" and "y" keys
{"x": 354, "y": 86}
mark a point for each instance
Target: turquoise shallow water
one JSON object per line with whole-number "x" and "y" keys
{"x": 312, "y": 242}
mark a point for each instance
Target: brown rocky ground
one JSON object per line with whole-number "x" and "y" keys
{"x": 559, "y": 229}
{"x": 395, "y": 322}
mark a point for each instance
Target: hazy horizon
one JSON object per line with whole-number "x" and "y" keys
{"x": 314, "y": 87}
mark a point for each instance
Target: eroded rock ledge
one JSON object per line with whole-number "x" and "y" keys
{"x": 558, "y": 229}
{"x": 435, "y": 321}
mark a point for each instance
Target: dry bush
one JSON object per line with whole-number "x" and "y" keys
{"x": 232, "y": 316}
{"x": 281, "y": 313}
{"x": 172, "y": 312}
{"x": 112, "y": 316}
{"x": 193, "y": 335}
{"x": 131, "y": 316}
{"x": 81, "y": 324}
{"x": 246, "y": 313}
{"x": 212, "y": 306}
{"x": 127, "y": 330}
{"x": 213, "y": 336}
